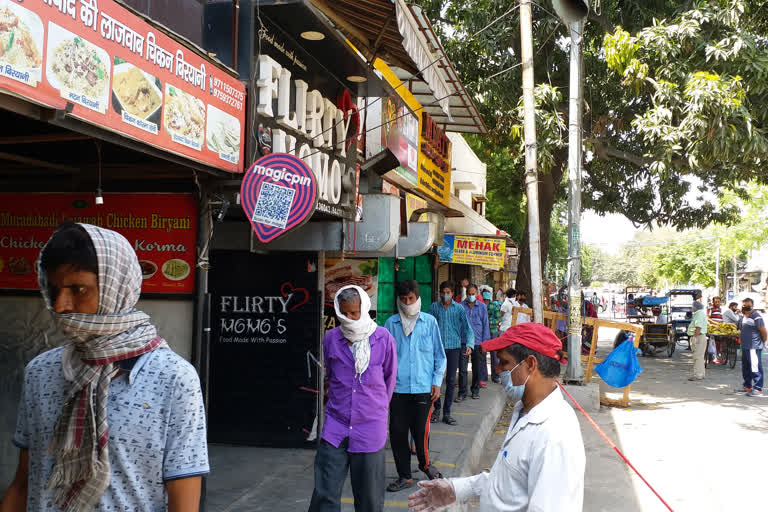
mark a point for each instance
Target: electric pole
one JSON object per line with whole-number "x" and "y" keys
{"x": 531, "y": 171}
{"x": 573, "y": 13}
{"x": 717, "y": 270}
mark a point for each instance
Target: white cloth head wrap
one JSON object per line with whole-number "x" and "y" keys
{"x": 357, "y": 331}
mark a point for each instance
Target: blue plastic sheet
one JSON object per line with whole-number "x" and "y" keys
{"x": 621, "y": 367}
{"x": 654, "y": 301}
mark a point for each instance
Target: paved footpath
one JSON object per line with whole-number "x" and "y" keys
{"x": 246, "y": 479}
{"x": 703, "y": 447}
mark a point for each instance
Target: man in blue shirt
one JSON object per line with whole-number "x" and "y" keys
{"x": 457, "y": 337}
{"x": 477, "y": 314}
{"x": 420, "y": 369}
{"x": 753, "y": 336}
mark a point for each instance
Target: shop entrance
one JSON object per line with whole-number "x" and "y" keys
{"x": 265, "y": 332}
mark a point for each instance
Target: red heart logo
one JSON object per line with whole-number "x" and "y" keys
{"x": 287, "y": 288}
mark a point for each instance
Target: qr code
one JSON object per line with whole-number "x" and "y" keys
{"x": 273, "y": 205}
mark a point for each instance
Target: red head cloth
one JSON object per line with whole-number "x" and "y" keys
{"x": 535, "y": 336}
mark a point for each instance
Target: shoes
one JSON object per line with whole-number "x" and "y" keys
{"x": 742, "y": 390}
{"x": 755, "y": 393}
{"x": 460, "y": 398}
{"x": 716, "y": 361}
{"x": 483, "y": 384}
{"x": 475, "y": 396}
{"x": 400, "y": 484}
{"x": 695, "y": 378}
{"x": 435, "y": 416}
{"x": 496, "y": 379}
{"x": 448, "y": 420}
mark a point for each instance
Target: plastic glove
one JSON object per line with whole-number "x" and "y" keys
{"x": 434, "y": 495}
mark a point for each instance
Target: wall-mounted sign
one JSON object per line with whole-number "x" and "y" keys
{"x": 434, "y": 161}
{"x": 472, "y": 250}
{"x": 278, "y": 193}
{"x": 303, "y": 111}
{"x": 120, "y": 73}
{"x": 424, "y": 154}
{"x": 400, "y": 133}
{"x": 265, "y": 328}
{"x": 161, "y": 227}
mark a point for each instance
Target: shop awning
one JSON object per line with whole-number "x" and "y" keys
{"x": 401, "y": 34}
{"x": 469, "y": 222}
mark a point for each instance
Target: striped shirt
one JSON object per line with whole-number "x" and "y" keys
{"x": 494, "y": 317}
{"x": 715, "y": 314}
{"x": 454, "y": 325}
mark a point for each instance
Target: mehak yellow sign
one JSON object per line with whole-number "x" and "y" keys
{"x": 472, "y": 250}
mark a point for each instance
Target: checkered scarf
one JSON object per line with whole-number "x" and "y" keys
{"x": 116, "y": 332}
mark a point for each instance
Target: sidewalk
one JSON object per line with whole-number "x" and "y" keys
{"x": 247, "y": 479}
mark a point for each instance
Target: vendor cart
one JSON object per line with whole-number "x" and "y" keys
{"x": 645, "y": 308}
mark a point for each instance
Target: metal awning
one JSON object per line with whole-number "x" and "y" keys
{"x": 401, "y": 35}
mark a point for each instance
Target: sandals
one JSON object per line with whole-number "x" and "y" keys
{"x": 435, "y": 417}
{"x": 400, "y": 484}
{"x": 431, "y": 472}
{"x": 449, "y": 420}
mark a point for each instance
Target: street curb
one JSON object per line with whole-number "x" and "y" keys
{"x": 484, "y": 432}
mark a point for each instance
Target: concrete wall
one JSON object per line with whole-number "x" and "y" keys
{"x": 466, "y": 168}
{"x": 26, "y": 330}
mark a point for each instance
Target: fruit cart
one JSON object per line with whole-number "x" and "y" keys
{"x": 726, "y": 338}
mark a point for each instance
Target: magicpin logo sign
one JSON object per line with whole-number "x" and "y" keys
{"x": 278, "y": 193}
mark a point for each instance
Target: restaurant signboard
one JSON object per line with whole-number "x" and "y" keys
{"x": 162, "y": 228}
{"x": 107, "y": 66}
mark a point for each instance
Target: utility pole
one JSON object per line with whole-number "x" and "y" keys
{"x": 735, "y": 280}
{"x": 531, "y": 171}
{"x": 717, "y": 270}
{"x": 573, "y": 13}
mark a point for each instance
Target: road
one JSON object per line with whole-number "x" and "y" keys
{"x": 702, "y": 446}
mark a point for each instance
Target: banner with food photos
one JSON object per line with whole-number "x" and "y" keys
{"x": 107, "y": 66}
{"x": 162, "y": 228}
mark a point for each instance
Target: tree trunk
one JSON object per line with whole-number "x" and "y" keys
{"x": 548, "y": 188}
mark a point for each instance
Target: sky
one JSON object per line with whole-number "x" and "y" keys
{"x": 607, "y": 232}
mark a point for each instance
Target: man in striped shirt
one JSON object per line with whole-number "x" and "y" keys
{"x": 457, "y": 337}
{"x": 715, "y": 314}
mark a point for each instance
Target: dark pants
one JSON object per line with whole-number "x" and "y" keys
{"x": 478, "y": 362}
{"x": 366, "y": 472}
{"x": 409, "y": 413}
{"x": 494, "y": 363}
{"x": 452, "y": 356}
{"x": 463, "y": 373}
{"x": 752, "y": 379}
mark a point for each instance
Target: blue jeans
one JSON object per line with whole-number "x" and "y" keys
{"x": 748, "y": 369}
{"x": 452, "y": 356}
{"x": 366, "y": 470}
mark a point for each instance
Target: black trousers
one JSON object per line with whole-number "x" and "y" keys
{"x": 366, "y": 471}
{"x": 452, "y": 356}
{"x": 409, "y": 413}
{"x": 479, "y": 368}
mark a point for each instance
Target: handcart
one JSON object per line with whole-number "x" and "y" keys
{"x": 727, "y": 348}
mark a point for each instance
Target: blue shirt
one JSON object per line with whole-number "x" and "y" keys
{"x": 750, "y": 331}
{"x": 478, "y": 320}
{"x": 156, "y": 429}
{"x": 420, "y": 356}
{"x": 454, "y": 326}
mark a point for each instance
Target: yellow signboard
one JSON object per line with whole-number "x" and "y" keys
{"x": 433, "y": 176}
{"x": 473, "y": 250}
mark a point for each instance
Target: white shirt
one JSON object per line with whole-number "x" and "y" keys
{"x": 661, "y": 319}
{"x": 540, "y": 467}
{"x": 731, "y": 317}
{"x": 506, "y": 313}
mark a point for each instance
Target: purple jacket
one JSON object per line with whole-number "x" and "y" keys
{"x": 359, "y": 408}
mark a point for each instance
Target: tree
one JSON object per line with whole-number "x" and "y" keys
{"x": 673, "y": 97}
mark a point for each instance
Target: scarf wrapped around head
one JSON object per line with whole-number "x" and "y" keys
{"x": 116, "y": 332}
{"x": 409, "y": 315}
{"x": 357, "y": 331}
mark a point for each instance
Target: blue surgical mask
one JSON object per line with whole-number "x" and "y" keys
{"x": 447, "y": 297}
{"x": 487, "y": 295}
{"x": 514, "y": 392}
{"x": 471, "y": 298}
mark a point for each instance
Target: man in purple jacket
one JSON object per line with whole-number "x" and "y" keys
{"x": 360, "y": 369}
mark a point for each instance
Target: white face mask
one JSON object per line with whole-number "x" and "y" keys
{"x": 409, "y": 315}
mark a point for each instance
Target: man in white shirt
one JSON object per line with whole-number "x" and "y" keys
{"x": 506, "y": 309}
{"x": 540, "y": 466}
{"x": 731, "y": 315}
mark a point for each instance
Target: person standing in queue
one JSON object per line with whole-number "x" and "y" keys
{"x": 420, "y": 370}
{"x": 360, "y": 362}
{"x": 477, "y": 314}
{"x": 114, "y": 419}
{"x": 494, "y": 324}
{"x": 457, "y": 337}
{"x": 540, "y": 466}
